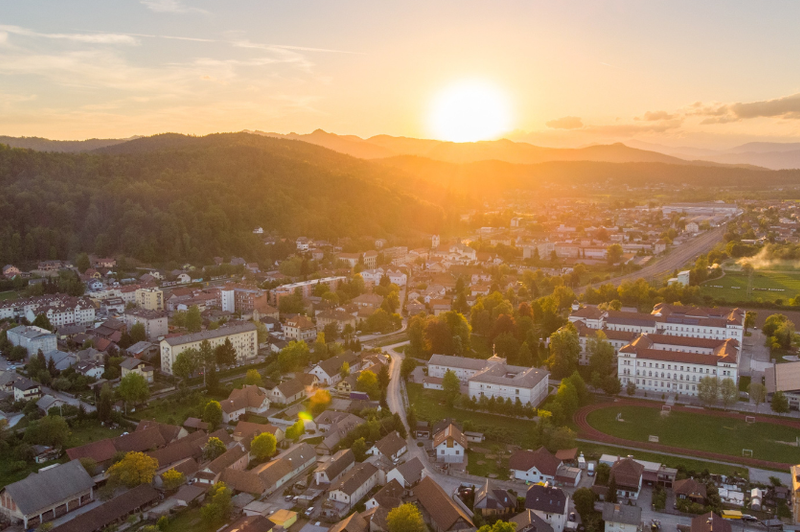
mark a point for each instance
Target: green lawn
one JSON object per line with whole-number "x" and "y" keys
{"x": 733, "y": 287}
{"x": 484, "y": 464}
{"x": 9, "y": 474}
{"x": 189, "y": 521}
{"x": 701, "y": 432}
{"x": 11, "y": 294}
{"x": 171, "y": 411}
{"x": 91, "y": 431}
{"x": 593, "y": 451}
{"x": 430, "y": 405}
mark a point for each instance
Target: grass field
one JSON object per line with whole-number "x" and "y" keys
{"x": 733, "y": 287}
{"x": 698, "y": 431}
{"x": 11, "y": 294}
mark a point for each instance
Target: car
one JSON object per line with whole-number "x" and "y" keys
{"x": 746, "y": 517}
{"x": 309, "y": 511}
{"x": 572, "y": 516}
{"x": 287, "y": 498}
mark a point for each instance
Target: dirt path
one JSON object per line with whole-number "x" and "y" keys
{"x": 586, "y": 431}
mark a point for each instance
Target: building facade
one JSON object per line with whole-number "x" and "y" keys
{"x": 244, "y": 338}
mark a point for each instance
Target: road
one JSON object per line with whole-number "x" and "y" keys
{"x": 676, "y": 259}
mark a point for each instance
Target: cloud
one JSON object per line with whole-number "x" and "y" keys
{"x": 93, "y": 38}
{"x": 653, "y": 116}
{"x": 566, "y": 122}
{"x": 785, "y": 107}
{"x": 170, "y": 6}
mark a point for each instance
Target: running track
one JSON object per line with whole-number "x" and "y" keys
{"x": 587, "y": 432}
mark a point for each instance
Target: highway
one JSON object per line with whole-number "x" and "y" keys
{"x": 676, "y": 259}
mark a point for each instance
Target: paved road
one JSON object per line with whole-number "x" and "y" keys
{"x": 677, "y": 258}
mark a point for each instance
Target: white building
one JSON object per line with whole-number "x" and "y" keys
{"x": 621, "y": 517}
{"x": 494, "y": 378}
{"x": 244, "y": 338}
{"x": 155, "y": 322}
{"x": 671, "y": 364}
{"x": 534, "y": 466}
{"x": 227, "y": 298}
{"x": 549, "y": 504}
{"x": 450, "y": 445}
{"x": 60, "y": 309}
{"x": 32, "y": 339}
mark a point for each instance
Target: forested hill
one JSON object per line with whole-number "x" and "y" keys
{"x": 70, "y": 146}
{"x": 173, "y": 197}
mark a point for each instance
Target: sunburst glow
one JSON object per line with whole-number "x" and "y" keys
{"x": 469, "y": 111}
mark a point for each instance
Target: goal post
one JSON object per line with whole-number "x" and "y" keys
{"x": 749, "y": 419}
{"x": 747, "y": 453}
{"x": 666, "y": 408}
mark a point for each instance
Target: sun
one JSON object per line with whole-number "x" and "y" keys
{"x": 469, "y": 111}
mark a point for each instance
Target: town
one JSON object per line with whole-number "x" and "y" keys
{"x": 541, "y": 373}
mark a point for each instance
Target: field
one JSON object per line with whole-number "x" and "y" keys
{"x": 689, "y": 431}
{"x": 11, "y": 294}
{"x": 766, "y": 286}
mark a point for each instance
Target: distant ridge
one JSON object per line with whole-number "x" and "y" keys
{"x": 63, "y": 146}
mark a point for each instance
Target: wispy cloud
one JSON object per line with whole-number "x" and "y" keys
{"x": 92, "y": 38}
{"x": 170, "y": 6}
{"x": 567, "y": 122}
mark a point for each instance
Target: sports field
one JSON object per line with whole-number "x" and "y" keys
{"x": 687, "y": 430}
{"x": 766, "y": 286}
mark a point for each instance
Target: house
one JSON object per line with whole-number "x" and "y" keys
{"x": 627, "y": 474}
{"x": 235, "y": 458}
{"x": 155, "y": 322}
{"x": 300, "y": 328}
{"x": 32, "y": 338}
{"x": 341, "y": 462}
{"x": 355, "y": 522}
{"x": 140, "y": 367}
{"x": 441, "y": 512}
{"x": 344, "y": 423}
{"x": 243, "y": 337}
{"x": 26, "y": 390}
{"x": 622, "y": 517}
{"x": 690, "y": 489}
{"x": 528, "y": 521}
{"x": 90, "y": 369}
{"x": 245, "y": 431}
{"x": 439, "y": 306}
{"x": 264, "y": 479}
{"x": 391, "y": 447}
{"x": 338, "y": 317}
{"x": 534, "y": 466}
{"x": 408, "y": 473}
{"x": 143, "y": 350}
{"x": 251, "y": 523}
{"x": 550, "y": 504}
{"x": 490, "y": 500}
{"x": 48, "y": 494}
{"x": 369, "y": 301}
{"x": 288, "y": 392}
{"x": 9, "y": 271}
{"x": 710, "y": 522}
{"x": 329, "y": 372}
{"x": 450, "y": 445}
{"x": 116, "y": 510}
{"x": 351, "y": 487}
{"x": 249, "y": 398}
{"x": 568, "y": 476}
{"x": 47, "y": 402}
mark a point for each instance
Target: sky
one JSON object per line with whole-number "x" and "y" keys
{"x": 711, "y": 74}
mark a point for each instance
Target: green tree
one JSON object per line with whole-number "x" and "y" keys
{"x": 345, "y": 371}
{"x": 263, "y": 446}
{"x": 253, "y": 377}
{"x": 758, "y": 393}
{"x": 451, "y": 386}
{"x": 43, "y": 322}
{"x": 225, "y": 353}
{"x": 105, "y": 403}
{"x": 383, "y": 377}
{"x": 780, "y": 404}
{"x": 611, "y": 495}
{"x": 186, "y": 364}
{"x": 359, "y": 449}
{"x": 708, "y": 390}
{"x": 407, "y": 518}
{"x": 138, "y": 333}
{"x": 212, "y": 414}
{"x": 367, "y": 382}
{"x": 82, "y": 262}
{"x": 295, "y": 431}
{"x": 407, "y": 367}
{"x": 133, "y": 389}
{"x": 194, "y": 321}
{"x": 728, "y": 392}
{"x": 134, "y": 469}
{"x": 772, "y": 323}
{"x": 614, "y": 253}
{"x": 50, "y": 430}
{"x": 218, "y": 508}
{"x": 294, "y": 356}
{"x": 565, "y": 348}
{"x": 750, "y": 319}
{"x": 602, "y": 356}
{"x": 584, "y": 501}
{"x": 499, "y": 526}
{"x": 214, "y": 448}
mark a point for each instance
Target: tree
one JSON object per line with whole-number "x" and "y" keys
{"x": 383, "y": 377}
{"x": 319, "y": 401}
{"x": 368, "y": 382}
{"x": 584, "y": 499}
{"x": 295, "y": 431}
{"x": 758, "y": 393}
{"x": 213, "y": 448}
{"x": 134, "y": 469}
{"x": 186, "y": 363}
{"x": 728, "y": 392}
{"x": 218, "y": 508}
{"x": 253, "y": 377}
{"x": 406, "y": 518}
{"x": 294, "y": 356}
{"x": 105, "y": 403}
{"x": 630, "y": 388}
{"x": 411, "y": 418}
{"x": 780, "y": 404}
{"x": 43, "y": 322}
{"x": 172, "y": 479}
{"x": 772, "y": 323}
{"x": 194, "y": 321}
{"x": 263, "y": 446}
{"x": 345, "y": 371}
{"x": 133, "y": 389}
{"x": 359, "y": 449}
{"x": 82, "y": 262}
{"x": 138, "y": 333}
{"x": 602, "y": 356}
{"x": 225, "y": 353}
{"x": 407, "y": 367}
{"x": 499, "y": 526}
{"x": 451, "y": 386}
{"x": 50, "y": 430}
{"x": 750, "y": 319}
{"x": 212, "y": 414}
{"x": 612, "y": 490}
{"x": 564, "y": 350}
{"x": 708, "y": 390}
{"x": 614, "y": 253}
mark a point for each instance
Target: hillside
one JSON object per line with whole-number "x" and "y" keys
{"x": 65, "y": 146}
{"x": 173, "y": 197}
